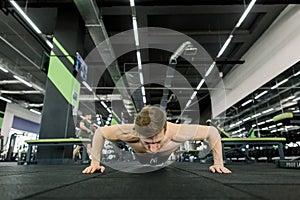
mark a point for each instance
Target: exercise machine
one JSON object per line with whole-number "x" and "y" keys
{"x": 239, "y": 147}
{"x": 290, "y": 119}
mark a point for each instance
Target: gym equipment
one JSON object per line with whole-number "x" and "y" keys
{"x": 56, "y": 142}
{"x": 290, "y": 119}
{"x": 10, "y": 152}
{"x": 241, "y": 145}
{"x": 1, "y": 143}
{"x": 295, "y": 163}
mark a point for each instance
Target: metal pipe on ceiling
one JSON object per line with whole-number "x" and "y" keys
{"x": 92, "y": 17}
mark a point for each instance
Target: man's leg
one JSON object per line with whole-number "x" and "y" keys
{"x": 77, "y": 149}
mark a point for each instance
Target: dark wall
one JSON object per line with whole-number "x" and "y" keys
{"x": 2, "y": 110}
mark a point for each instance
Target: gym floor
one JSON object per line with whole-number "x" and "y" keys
{"x": 177, "y": 181}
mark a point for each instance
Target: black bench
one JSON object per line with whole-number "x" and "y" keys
{"x": 56, "y": 142}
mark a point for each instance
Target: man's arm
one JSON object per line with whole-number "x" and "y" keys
{"x": 212, "y": 135}
{"x": 111, "y": 133}
{"x": 83, "y": 127}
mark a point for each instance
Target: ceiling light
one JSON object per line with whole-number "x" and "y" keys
{"x": 23, "y": 81}
{"x": 188, "y": 103}
{"x": 21, "y": 12}
{"x": 225, "y": 45}
{"x": 36, "y": 105}
{"x": 193, "y": 95}
{"x": 261, "y": 123}
{"x": 37, "y": 87}
{"x": 132, "y": 3}
{"x": 245, "y": 13}
{"x": 240, "y": 130}
{"x": 138, "y": 56}
{"x": 246, "y": 119}
{"x": 141, "y": 78}
{"x": 256, "y": 115}
{"x": 247, "y": 102}
{"x": 298, "y": 73}
{"x": 49, "y": 44}
{"x": 30, "y": 92}
{"x": 289, "y": 126}
{"x": 289, "y": 98}
{"x": 3, "y": 69}
{"x": 135, "y": 31}
{"x": 103, "y": 104}
{"x": 10, "y": 92}
{"x": 144, "y": 99}
{"x": 269, "y": 120}
{"x": 269, "y": 110}
{"x": 143, "y": 91}
{"x": 200, "y": 84}
{"x": 298, "y": 98}
{"x": 5, "y": 99}
{"x": 239, "y": 122}
{"x": 261, "y": 94}
{"x": 4, "y": 82}
{"x": 231, "y": 125}
{"x": 87, "y": 86}
{"x": 280, "y": 83}
{"x": 210, "y": 69}
{"x": 35, "y": 111}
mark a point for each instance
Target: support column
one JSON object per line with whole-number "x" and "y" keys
{"x": 57, "y": 119}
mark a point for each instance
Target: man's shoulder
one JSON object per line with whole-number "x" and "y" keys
{"x": 84, "y": 120}
{"x": 120, "y": 128}
{"x": 125, "y": 127}
{"x": 125, "y": 132}
{"x": 182, "y": 132}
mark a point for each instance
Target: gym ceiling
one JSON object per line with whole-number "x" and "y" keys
{"x": 209, "y": 22}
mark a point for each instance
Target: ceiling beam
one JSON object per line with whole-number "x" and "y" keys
{"x": 187, "y": 10}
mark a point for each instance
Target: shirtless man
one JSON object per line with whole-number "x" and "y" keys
{"x": 151, "y": 134}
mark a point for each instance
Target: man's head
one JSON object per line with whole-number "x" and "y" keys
{"x": 88, "y": 116}
{"x": 150, "y": 125}
{"x": 150, "y": 121}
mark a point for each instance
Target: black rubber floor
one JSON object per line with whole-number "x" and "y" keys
{"x": 177, "y": 181}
